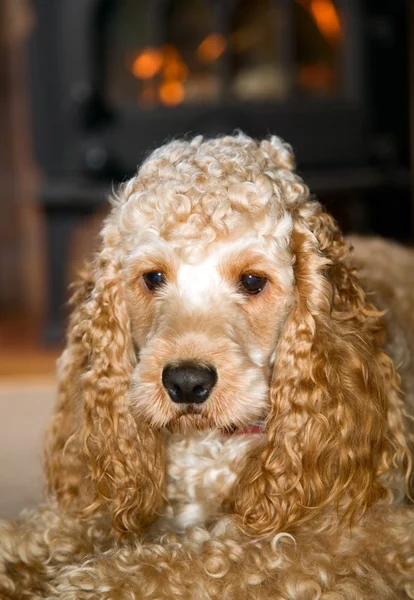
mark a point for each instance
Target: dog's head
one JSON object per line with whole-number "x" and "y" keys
{"x": 221, "y": 297}
{"x": 207, "y": 269}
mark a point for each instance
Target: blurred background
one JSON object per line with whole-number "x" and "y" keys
{"x": 89, "y": 87}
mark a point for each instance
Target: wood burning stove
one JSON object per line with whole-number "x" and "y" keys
{"x": 113, "y": 79}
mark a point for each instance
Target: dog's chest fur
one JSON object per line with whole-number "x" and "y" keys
{"x": 201, "y": 470}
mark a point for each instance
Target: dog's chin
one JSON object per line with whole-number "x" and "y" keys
{"x": 191, "y": 419}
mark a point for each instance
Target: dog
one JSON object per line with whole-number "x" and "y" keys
{"x": 236, "y": 398}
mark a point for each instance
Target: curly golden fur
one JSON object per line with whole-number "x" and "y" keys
{"x": 150, "y": 498}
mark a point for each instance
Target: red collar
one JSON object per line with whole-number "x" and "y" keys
{"x": 254, "y": 428}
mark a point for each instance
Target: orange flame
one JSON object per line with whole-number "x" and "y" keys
{"x": 316, "y": 77}
{"x": 171, "y": 93}
{"x": 174, "y": 68}
{"x": 326, "y": 17}
{"x": 174, "y": 71}
{"x": 211, "y": 48}
{"x": 147, "y": 64}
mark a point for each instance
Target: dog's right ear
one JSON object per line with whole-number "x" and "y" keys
{"x": 98, "y": 458}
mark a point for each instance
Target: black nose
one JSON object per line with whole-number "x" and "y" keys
{"x": 189, "y": 383}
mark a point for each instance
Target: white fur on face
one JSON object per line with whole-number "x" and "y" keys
{"x": 197, "y": 283}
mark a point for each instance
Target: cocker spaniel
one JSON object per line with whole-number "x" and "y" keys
{"x": 230, "y": 423}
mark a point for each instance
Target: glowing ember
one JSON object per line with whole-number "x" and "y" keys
{"x": 147, "y": 63}
{"x": 211, "y": 48}
{"x": 171, "y": 93}
{"x": 167, "y": 64}
{"x": 326, "y": 18}
{"x": 163, "y": 71}
{"x": 174, "y": 68}
{"x": 317, "y": 77}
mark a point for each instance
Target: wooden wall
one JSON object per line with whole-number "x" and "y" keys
{"x": 21, "y": 272}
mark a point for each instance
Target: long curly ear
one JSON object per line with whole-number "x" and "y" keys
{"x": 335, "y": 429}
{"x": 97, "y": 457}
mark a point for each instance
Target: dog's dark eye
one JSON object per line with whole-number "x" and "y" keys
{"x": 154, "y": 279}
{"x": 252, "y": 284}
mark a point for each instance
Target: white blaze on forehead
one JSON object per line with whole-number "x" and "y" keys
{"x": 198, "y": 282}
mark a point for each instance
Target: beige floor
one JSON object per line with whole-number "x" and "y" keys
{"x": 24, "y": 411}
{"x": 27, "y": 396}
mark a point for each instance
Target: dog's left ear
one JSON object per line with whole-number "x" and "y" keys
{"x": 335, "y": 428}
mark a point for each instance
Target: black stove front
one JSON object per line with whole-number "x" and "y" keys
{"x": 112, "y": 79}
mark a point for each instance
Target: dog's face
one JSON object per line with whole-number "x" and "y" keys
{"x": 205, "y": 322}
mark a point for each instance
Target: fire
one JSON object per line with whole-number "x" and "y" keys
{"x": 211, "y": 48}
{"x": 174, "y": 68}
{"x": 163, "y": 70}
{"x": 317, "y": 76}
{"x": 174, "y": 72}
{"x": 153, "y": 64}
{"x": 171, "y": 93}
{"x": 326, "y": 18}
{"x": 147, "y": 64}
